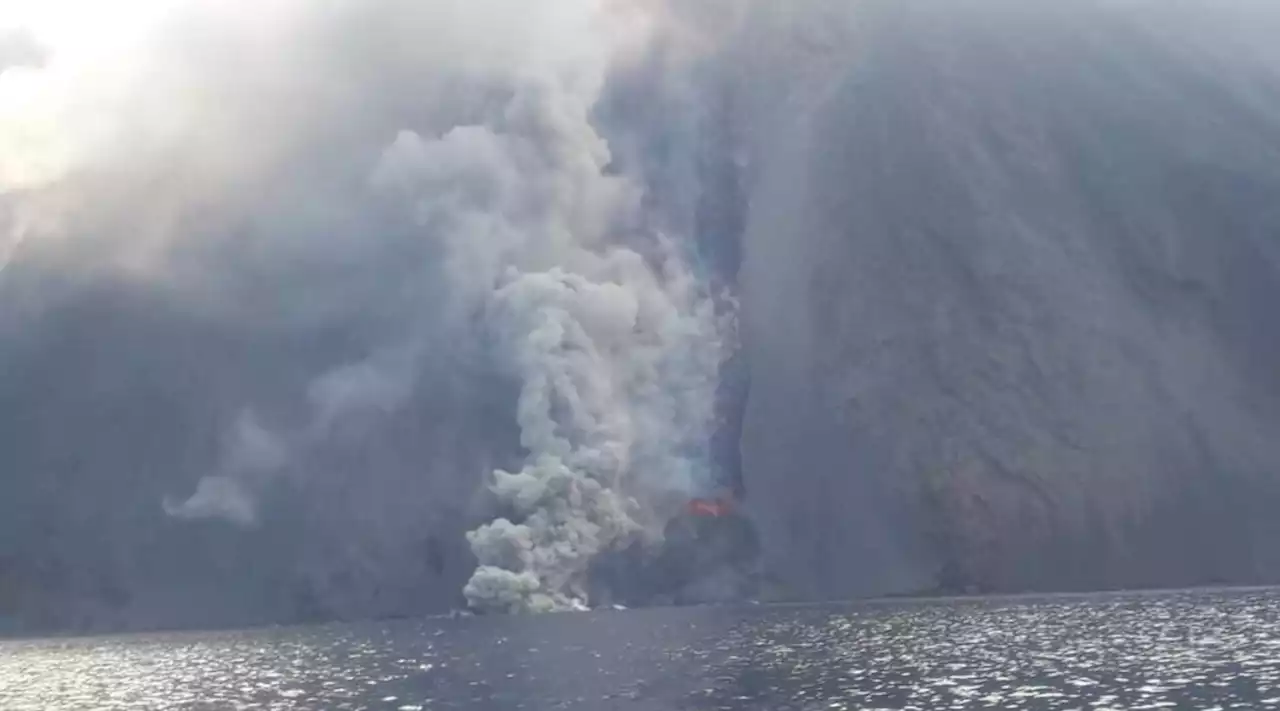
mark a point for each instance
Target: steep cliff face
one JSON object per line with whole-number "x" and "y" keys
{"x": 1008, "y": 276}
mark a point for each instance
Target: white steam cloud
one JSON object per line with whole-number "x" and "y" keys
{"x": 525, "y": 239}
{"x": 616, "y": 353}
{"x": 618, "y": 374}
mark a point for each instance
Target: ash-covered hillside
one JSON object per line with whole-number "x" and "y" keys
{"x": 1008, "y": 282}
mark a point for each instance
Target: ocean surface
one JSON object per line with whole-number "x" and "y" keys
{"x": 1191, "y": 649}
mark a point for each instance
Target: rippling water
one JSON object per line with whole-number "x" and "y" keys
{"x": 1201, "y": 650}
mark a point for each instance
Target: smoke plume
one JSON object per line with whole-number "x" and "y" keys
{"x": 616, "y": 352}
{"x": 428, "y": 180}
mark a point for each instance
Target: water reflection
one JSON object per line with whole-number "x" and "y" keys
{"x": 1187, "y": 650}
{"x": 1137, "y": 652}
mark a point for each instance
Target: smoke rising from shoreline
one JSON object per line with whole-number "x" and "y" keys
{"x": 616, "y": 353}
{"x": 444, "y": 192}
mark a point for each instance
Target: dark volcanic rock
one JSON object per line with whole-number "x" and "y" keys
{"x": 1008, "y": 282}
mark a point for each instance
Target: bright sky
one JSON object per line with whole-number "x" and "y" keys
{"x": 81, "y": 27}
{"x": 42, "y": 110}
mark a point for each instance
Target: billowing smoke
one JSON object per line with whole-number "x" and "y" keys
{"x": 484, "y": 218}
{"x": 616, "y": 351}
{"x": 618, "y": 371}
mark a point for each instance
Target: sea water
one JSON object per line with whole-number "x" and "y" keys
{"x": 1189, "y": 649}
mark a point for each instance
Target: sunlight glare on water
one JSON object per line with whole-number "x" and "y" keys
{"x": 1141, "y": 651}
